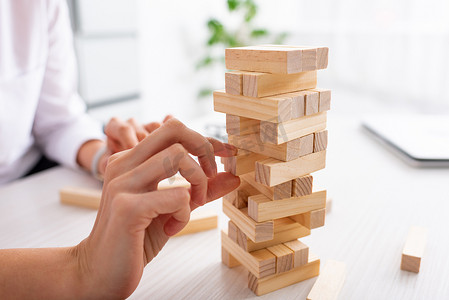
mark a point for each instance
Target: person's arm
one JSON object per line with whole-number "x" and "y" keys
{"x": 134, "y": 221}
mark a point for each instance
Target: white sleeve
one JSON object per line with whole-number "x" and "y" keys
{"x": 61, "y": 124}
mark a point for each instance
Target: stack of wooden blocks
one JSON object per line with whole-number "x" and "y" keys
{"x": 276, "y": 116}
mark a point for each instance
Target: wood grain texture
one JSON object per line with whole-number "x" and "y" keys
{"x": 284, "y": 257}
{"x": 285, "y": 152}
{"x": 271, "y": 109}
{"x": 414, "y": 249}
{"x": 272, "y": 172}
{"x": 228, "y": 260}
{"x": 277, "y": 192}
{"x": 322, "y": 57}
{"x": 239, "y": 196}
{"x": 257, "y": 84}
{"x": 325, "y": 99}
{"x": 317, "y": 218}
{"x": 244, "y": 162}
{"x": 260, "y": 263}
{"x": 261, "y": 208}
{"x": 200, "y": 221}
{"x": 274, "y": 59}
{"x": 330, "y": 281}
{"x": 285, "y": 230}
{"x": 233, "y": 83}
{"x": 236, "y": 125}
{"x": 262, "y": 286}
{"x": 88, "y": 198}
{"x": 300, "y": 252}
{"x": 312, "y": 102}
{"x": 302, "y": 186}
{"x": 256, "y": 231}
{"x": 287, "y": 131}
{"x": 320, "y": 141}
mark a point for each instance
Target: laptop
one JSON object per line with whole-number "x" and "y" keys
{"x": 420, "y": 140}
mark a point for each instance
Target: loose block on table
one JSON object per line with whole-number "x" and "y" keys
{"x": 330, "y": 282}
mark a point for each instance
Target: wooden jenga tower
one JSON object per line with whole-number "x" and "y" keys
{"x": 276, "y": 116}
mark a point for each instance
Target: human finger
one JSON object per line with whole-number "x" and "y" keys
{"x": 217, "y": 187}
{"x": 150, "y": 127}
{"x": 222, "y": 149}
{"x": 140, "y": 131}
{"x": 122, "y": 133}
{"x": 165, "y": 164}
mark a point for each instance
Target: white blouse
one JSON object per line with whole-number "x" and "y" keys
{"x": 40, "y": 110}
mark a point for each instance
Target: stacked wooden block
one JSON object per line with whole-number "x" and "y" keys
{"x": 276, "y": 116}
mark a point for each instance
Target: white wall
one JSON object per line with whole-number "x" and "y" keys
{"x": 396, "y": 50}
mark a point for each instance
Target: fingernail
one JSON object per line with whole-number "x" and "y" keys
{"x": 231, "y": 148}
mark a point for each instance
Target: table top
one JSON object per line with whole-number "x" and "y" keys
{"x": 376, "y": 198}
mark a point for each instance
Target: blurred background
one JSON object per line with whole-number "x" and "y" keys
{"x": 148, "y": 58}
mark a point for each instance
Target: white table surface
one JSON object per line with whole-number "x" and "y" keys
{"x": 376, "y": 198}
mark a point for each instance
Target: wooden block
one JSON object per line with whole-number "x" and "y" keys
{"x": 256, "y": 231}
{"x": 239, "y": 197}
{"x": 83, "y": 197}
{"x": 285, "y": 230}
{"x": 325, "y": 99}
{"x": 258, "y": 85}
{"x": 228, "y": 260}
{"x": 320, "y": 141}
{"x": 232, "y": 231}
{"x": 275, "y": 59}
{"x": 414, "y": 249}
{"x": 322, "y": 57}
{"x": 317, "y": 218}
{"x": 236, "y": 125}
{"x": 244, "y": 162}
{"x": 233, "y": 83}
{"x": 271, "y": 109}
{"x": 262, "y": 286}
{"x": 287, "y": 131}
{"x": 261, "y": 208}
{"x": 260, "y": 263}
{"x": 272, "y": 172}
{"x": 200, "y": 221}
{"x": 276, "y": 192}
{"x": 284, "y": 257}
{"x": 286, "y": 151}
{"x": 330, "y": 281}
{"x": 302, "y": 186}
{"x": 312, "y": 102}
{"x": 312, "y": 219}
{"x": 300, "y": 252}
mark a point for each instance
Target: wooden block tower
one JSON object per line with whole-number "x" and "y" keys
{"x": 276, "y": 116}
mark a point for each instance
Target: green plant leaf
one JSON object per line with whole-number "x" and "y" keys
{"x": 233, "y": 4}
{"x": 251, "y": 10}
{"x": 256, "y": 33}
{"x": 205, "y": 92}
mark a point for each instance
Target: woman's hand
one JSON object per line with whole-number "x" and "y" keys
{"x": 135, "y": 220}
{"x": 123, "y": 135}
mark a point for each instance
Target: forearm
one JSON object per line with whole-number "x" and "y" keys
{"x": 49, "y": 273}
